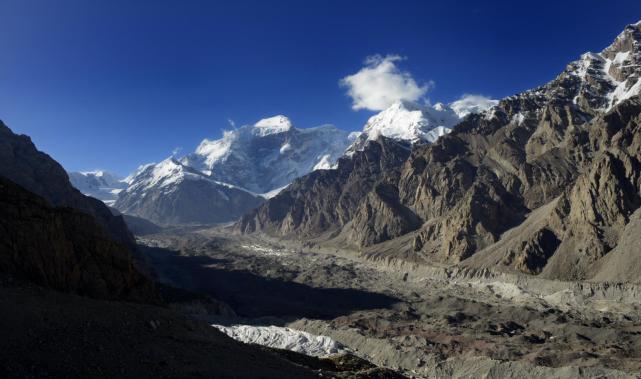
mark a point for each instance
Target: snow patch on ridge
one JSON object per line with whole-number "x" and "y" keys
{"x": 324, "y": 163}
{"x": 274, "y": 192}
{"x": 285, "y": 148}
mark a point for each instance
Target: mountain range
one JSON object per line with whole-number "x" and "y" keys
{"x": 225, "y": 178}
{"x": 480, "y": 238}
{"x": 546, "y": 182}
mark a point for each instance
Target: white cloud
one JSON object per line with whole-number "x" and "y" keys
{"x": 381, "y": 83}
{"x": 471, "y": 103}
{"x": 175, "y": 151}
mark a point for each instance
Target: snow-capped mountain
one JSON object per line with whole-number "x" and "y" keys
{"x": 611, "y": 76}
{"x": 413, "y": 122}
{"x": 100, "y": 184}
{"x": 172, "y": 193}
{"x": 226, "y": 177}
{"x": 410, "y": 121}
{"x": 269, "y": 154}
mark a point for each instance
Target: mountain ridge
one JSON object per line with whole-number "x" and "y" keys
{"x": 172, "y": 193}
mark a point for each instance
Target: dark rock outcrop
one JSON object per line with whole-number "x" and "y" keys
{"x": 64, "y": 249}
{"x": 37, "y": 172}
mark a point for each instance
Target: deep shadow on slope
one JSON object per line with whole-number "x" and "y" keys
{"x": 251, "y": 295}
{"x": 48, "y": 334}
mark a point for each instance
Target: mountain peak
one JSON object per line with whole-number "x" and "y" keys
{"x": 269, "y": 154}
{"x": 171, "y": 193}
{"x": 409, "y": 121}
{"x": 599, "y": 81}
{"x": 162, "y": 174}
{"x": 273, "y": 125}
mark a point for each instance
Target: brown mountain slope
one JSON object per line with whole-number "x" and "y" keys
{"x": 325, "y": 200}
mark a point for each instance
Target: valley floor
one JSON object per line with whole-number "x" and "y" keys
{"x": 421, "y": 321}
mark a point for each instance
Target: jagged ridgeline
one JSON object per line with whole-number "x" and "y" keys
{"x": 547, "y": 182}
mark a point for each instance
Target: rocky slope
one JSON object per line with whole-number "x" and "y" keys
{"x": 362, "y": 183}
{"x": 37, "y": 172}
{"x": 99, "y": 184}
{"x": 325, "y": 200}
{"x": 172, "y": 193}
{"x": 559, "y": 162}
{"x": 269, "y": 154}
{"x": 64, "y": 249}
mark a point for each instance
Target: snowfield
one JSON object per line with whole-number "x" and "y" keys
{"x": 284, "y": 338}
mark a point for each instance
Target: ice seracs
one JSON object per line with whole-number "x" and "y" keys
{"x": 284, "y": 338}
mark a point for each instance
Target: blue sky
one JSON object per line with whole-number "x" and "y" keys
{"x": 113, "y": 84}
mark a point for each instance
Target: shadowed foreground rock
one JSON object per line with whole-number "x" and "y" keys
{"x": 65, "y": 249}
{"x": 37, "y": 172}
{"x": 50, "y": 334}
